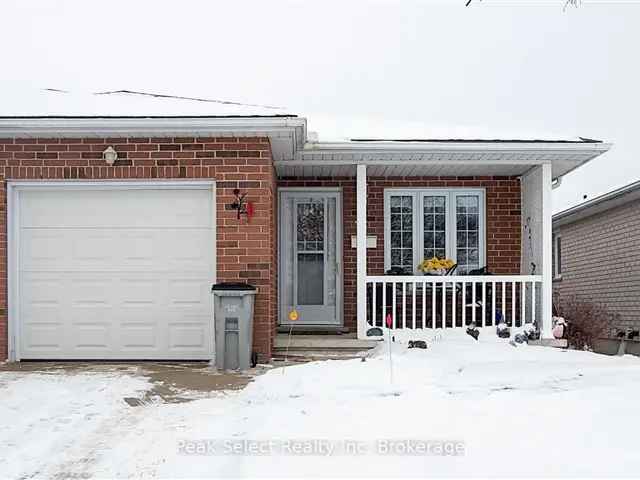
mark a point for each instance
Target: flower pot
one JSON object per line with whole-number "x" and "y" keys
{"x": 436, "y": 273}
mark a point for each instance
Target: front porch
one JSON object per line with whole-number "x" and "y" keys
{"x": 487, "y": 206}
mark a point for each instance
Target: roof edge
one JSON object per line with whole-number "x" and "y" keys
{"x": 57, "y": 126}
{"x": 601, "y": 203}
{"x": 85, "y": 117}
{"x": 580, "y": 140}
{"x": 489, "y": 145}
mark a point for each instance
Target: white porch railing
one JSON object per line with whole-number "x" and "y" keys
{"x": 420, "y": 302}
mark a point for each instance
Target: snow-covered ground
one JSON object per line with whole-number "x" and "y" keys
{"x": 509, "y": 411}
{"x": 56, "y": 421}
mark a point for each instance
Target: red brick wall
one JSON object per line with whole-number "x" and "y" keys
{"x": 245, "y": 251}
{"x": 502, "y": 222}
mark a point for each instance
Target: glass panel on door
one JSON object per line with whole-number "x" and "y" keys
{"x": 467, "y": 232}
{"x": 435, "y": 226}
{"x": 310, "y": 246}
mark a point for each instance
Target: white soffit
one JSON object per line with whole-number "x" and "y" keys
{"x": 444, "y": 158}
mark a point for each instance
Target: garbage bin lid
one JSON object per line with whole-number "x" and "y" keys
{"x": 232, "y": 287}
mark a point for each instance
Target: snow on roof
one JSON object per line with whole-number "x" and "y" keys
{"x": 329, "y": 129}
{"x": 38, "y": 102}
{"x": 27, "y": 102}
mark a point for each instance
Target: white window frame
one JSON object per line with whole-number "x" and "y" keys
{"x": 418, "y": 195}
{"x": 557, "y": 272}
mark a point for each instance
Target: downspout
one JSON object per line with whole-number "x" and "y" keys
{"x": 557, "y": 183}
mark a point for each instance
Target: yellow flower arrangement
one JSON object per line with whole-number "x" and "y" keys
{"x": 435, "y": 265}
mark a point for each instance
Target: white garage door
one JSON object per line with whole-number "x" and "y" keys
{"x": 115, "y": 272}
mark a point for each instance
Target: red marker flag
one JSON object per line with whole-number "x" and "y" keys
{"x": 389, "y": 320}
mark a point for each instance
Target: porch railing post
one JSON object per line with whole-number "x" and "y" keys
{"x": 547, "y": 280}
{"x": 361, "y": 244}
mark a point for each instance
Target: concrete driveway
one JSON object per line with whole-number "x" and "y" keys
{"x": 169, "y": 382}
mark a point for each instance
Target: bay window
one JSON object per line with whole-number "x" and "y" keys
{"x": 425, "y": 223}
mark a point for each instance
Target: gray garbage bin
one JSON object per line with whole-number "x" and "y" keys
{"x": 233, "y": 303}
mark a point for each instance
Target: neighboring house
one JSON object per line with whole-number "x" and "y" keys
{"x": 597, "y": 253}
{"x": 115, "y": 261}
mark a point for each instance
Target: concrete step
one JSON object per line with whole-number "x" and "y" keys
{"x": 312, "y": 330}
{"x": 321, "y": 347}
{"x": 323, "y": 342}
{"x": 550, "y": 342}
{"x": 315, "y": 355}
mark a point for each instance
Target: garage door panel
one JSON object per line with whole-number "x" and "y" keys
{"x": 46, "y": 249}
{"x": 138, "y": 293}
{"x": 97, "y": 282}
{"x": 139, "y": 336}
{"x": 187, "y": 336}
{"x": 41, "y": 290}
{"x": 82, "y": 250}
{"x": 91, "y": 291}
{"x": 67, "y": 249}
{"x": 92, "y": 335}
{"x": 90, "y": 247}
{"x": 187, "y": 292}
{"x": 43, "y": 336}
{"x": 136, "y": 208}
{"x": 194, "y": 247}
{"x": 142, "y": 248}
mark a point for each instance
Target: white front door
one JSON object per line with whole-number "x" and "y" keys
{"x": 114, "y": 272}
{"x": 311, "y": 256}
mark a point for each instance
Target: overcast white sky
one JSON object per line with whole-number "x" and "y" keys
{"x": 499, "y": 65}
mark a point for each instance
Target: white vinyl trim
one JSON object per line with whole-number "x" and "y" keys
{"x": 557, "y": 257}
{"x": 547, "y": 247}
{"x": 418, "y": 195}
{"x": 361, "y": 252}
{"x": 110, "y": 185}
{"x": 13, "y": 239}
{"x": 454, "y": 278}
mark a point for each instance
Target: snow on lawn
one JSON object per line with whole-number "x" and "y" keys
{"x": 519, "y": 411}
{"x": 516, "y": 411}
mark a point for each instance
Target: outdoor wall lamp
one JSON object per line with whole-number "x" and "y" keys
{"x": 110, "y": 155}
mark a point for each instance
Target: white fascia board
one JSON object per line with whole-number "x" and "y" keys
{"x": 294, "y": 127}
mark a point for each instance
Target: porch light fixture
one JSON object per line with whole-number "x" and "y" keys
{"x": 110, "y": 155}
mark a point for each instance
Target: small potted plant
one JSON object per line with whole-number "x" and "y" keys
{"x": 435, "y": 266}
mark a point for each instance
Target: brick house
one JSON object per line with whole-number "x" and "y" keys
{"x": 109, "y": 258}
{"x": 595, "y": 246}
